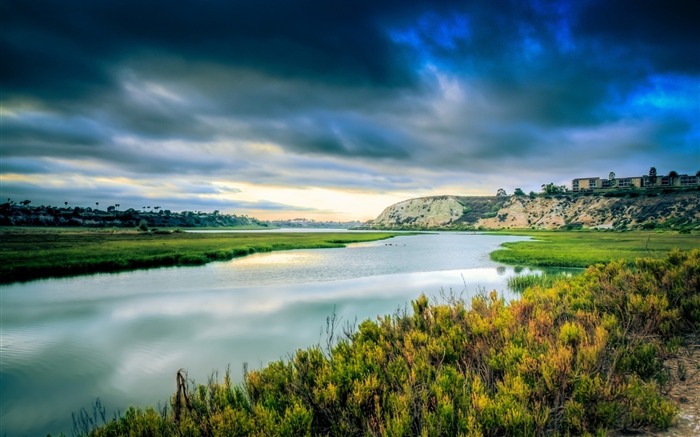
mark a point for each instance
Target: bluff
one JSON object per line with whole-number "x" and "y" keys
{"x": 602, "y": 211}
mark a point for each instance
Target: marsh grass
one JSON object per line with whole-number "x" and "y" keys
{"x": 519, "y": 283}
{"x": 585, "y": 248}
{"x": 27, "y": 254}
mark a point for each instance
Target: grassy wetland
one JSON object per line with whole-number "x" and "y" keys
{"x": 585, "y": 248}
{"x": 34, "y": 253}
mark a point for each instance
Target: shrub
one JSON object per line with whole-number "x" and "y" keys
{"x": 143, "y": 225}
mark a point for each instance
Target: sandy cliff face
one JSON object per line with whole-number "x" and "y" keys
{"x": 424, "y": 212}
{"x": 679, "y": 209}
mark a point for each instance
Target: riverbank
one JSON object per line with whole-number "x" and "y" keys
{"x": 35, "y": 253}
{"x": 585, "y": 248}
{"x": 583, "y": 357}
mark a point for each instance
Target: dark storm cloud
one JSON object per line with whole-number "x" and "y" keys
{"x": 664, "y": 34}
{"x": 33, "y": 134}
{"x": 78, "y": 139}
{"x": 59, "y": 48}
{"x": 384, "y": 95}
{"x": 558, "y": 63}
{"x": 332, "y": 134}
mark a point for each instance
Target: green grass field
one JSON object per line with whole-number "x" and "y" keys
{"x": 33, "y": 253}
{"x": 584, "y": 248}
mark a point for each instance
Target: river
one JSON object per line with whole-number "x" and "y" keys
{"x": 122, "y": 337}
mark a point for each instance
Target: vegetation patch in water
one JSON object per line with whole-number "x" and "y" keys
{"x": 585, "y": 248}
{"x": 545, "y": 280}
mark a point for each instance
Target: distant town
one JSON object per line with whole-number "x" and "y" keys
{"x": 651, "y": 180}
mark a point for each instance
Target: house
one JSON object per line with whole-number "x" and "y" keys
{"x": 688, "y": 181}
{"x": 633, "y": 182}
{"x": 585, "y": 184}
{"x": 596, "y": 183}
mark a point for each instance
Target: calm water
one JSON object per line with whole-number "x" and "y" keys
{"x": 122, "y": 337}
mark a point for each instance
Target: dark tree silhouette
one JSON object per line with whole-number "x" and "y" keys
{"x": 672, "y": 176}
{"x": 652, "y": 175}
{"x": 550, "y": 188}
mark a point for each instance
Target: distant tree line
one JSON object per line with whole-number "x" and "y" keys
{"x": 22, "y": 214}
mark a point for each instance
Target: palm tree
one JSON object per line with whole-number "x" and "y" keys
{"x": 672, "y": 177}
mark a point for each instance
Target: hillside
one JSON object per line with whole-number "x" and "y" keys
{"x": 628, "y": 211}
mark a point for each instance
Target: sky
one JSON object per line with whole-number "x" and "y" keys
{"x": 333, "y": 110}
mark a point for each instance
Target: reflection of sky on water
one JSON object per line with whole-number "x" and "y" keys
{"x": 122, "y": 337}
{"x": 288, "y": 258}
{"x": 271, "y": 299}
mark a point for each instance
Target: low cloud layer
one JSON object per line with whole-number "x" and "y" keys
{"x": 125, "y": 101}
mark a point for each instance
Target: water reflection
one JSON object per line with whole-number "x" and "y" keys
{"x": 122, "y": 337}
